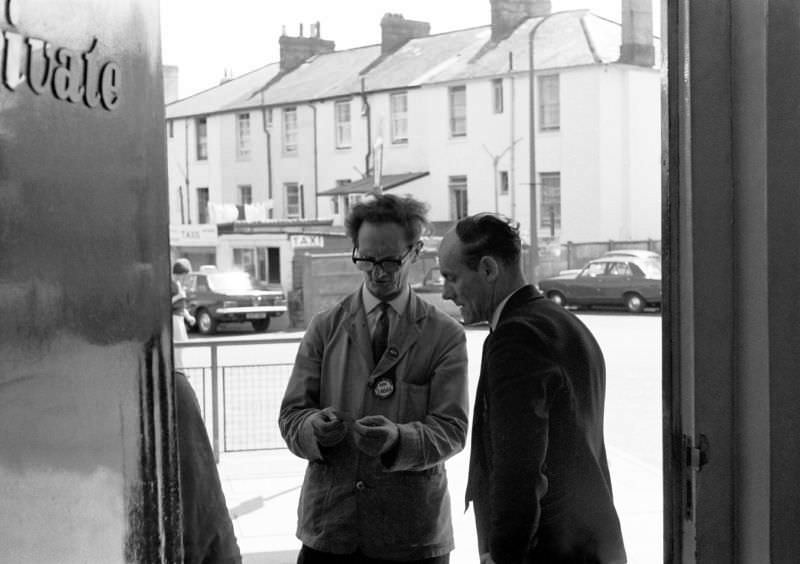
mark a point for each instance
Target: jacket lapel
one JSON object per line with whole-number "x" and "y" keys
{"x": 356, "y": 326}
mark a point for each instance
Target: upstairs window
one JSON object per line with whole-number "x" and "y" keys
{"x": 458, "y": 111}
{"x": 398, "y": 103}
{"x": 497, "y": 95}
{"x": 243, "y": 137}
{"x": 290, "y": 130}
{"x": 342, "y": 124}
{"x": 201, "y": 138}
{"x": 549, "y": 107}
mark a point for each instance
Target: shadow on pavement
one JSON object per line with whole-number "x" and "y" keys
{"x": 278, "y": 557}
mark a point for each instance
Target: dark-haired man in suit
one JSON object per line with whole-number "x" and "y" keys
{"x": 538, "y": 474}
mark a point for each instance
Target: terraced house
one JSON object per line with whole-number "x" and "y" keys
{"x": 269, "y": 162}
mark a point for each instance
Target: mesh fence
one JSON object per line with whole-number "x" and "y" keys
{"x": 251, "y": 400}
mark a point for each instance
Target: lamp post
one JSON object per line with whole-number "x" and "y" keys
{"x": 534, "y": 260}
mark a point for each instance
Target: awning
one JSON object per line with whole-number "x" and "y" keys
{"x": 367, "y": 184}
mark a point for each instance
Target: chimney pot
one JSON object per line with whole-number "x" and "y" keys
{"x": 295, "y": 50}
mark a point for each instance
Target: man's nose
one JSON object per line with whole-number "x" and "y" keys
{"x": 447, "y": 293}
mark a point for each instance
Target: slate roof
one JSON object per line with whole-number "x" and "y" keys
{"x": 224, "y": 97}
{"x": 325, "y": 76}
{"x": 564, "y": 39}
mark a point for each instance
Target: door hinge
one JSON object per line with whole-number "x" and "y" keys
{"x": 696, "y": 458}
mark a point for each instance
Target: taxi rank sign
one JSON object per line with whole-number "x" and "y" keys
{"x": 67, "y": 74}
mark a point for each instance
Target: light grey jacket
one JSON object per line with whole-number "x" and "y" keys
{"x": 395, "y": 506}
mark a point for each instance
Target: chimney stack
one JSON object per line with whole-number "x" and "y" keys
{"x": 508, "y": 14}
{"x": 396, "y": 31}
{"x": 295, "y": 50}
{"x": 637, "y": 33}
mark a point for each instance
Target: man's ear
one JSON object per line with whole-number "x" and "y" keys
{"x": 489, "y": 268}
{"x": 416, "y": 250}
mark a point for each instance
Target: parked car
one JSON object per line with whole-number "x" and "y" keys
{"x": 628, "y": 281}
{"x": 231, "y": 297}
{"x": 430, "y": 289}
{"x": 638, "y": 253}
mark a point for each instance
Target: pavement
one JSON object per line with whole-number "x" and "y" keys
{"x": 262, "y": 490}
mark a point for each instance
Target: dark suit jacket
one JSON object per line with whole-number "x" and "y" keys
{"x": 538, "y": 473}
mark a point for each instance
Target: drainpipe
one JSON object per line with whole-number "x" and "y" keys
{"x": 316, "y": 163}
{"x": 186, "y": 171}
{"x": 365, "y": 111}
{"x": 268, "y": 133}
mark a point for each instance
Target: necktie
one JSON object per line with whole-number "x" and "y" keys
{"x": 381, "y": 335}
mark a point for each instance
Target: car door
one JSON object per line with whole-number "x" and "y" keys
{"x": 613, "y": 284}
{"x": 584, "y": 288}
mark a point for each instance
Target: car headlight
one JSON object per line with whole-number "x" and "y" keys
{"x": 229, "y": 303}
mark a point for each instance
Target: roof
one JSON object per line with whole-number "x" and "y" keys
{"x": 226, "y": 96}
{"x": 367, "y": 184}
{"x": 324, "y": 76}
{"x": 564, "y": 39}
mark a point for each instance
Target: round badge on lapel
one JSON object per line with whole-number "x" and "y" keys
{"x": 392, "y": 352}
{"x": 383, "y": 387}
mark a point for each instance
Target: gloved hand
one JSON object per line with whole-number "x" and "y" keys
{"x": 329, "y": 430}
{"x": 374, "y": 434}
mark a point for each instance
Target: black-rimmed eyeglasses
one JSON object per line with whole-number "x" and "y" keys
{"x": 390, "y": 265}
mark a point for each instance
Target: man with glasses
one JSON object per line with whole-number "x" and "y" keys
{"x": 538, "y": 474}
{"x": 376, "y": 403}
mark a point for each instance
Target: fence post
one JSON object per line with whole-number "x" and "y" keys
{"x": 214, "y": 402}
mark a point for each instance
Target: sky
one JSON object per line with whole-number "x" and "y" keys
{"x": 205, "y": 40}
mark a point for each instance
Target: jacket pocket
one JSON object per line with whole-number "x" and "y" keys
{"x": 413, "y": 401}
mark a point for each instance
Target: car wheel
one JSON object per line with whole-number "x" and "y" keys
{"x": 634, "y": 302}
{"x": 557, "y": 297}
{"x": 205, "y": 323}
{"x": 261, "y": 325}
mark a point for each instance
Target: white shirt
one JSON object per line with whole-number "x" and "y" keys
{"x": 396, "y": 307}
{"x": 499, "y": 309}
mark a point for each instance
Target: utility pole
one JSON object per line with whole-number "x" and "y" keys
{"x": 534, "y": 252}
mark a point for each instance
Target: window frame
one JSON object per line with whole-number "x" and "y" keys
{"x": 289, "y": 135}
{"x": 241, "y": 190}
{"x": 243, "y": 137}
{"x": 459, "y": 200}
{"x": 203, "y": 215}
{"x": 545, "y": 184}
{"x": 201, "y": 138}
{"x": 497, "y": 96}
{"x": 457, "y": 112}
{"x": 398, "y": 134}
{"x": 343, "y": 128}
{"x": 288, "y": 205}
{"x": 549, "y": 102}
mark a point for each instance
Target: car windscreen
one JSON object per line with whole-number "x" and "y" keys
{"x": 230, "y": 282}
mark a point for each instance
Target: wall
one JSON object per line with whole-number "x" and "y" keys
{"x": 86, "y": 454}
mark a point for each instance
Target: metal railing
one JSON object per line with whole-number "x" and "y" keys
{"x": 239, "y": 403}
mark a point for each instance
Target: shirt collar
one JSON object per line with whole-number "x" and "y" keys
{"x": 499, "y": 310}
{"x": 398, "y": 304}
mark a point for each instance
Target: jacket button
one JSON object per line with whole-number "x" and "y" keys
{"x": 360, "y": 485}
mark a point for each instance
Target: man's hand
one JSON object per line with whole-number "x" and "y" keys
{"x": 486, "y": 558}
{"x": 328, "y": 428}
{"x": 374, "y": 434}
